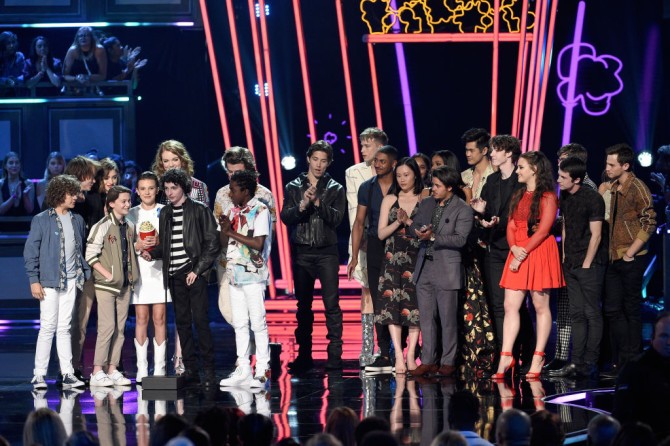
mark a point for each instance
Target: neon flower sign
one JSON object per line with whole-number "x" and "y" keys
{"x": 582, "y": 57}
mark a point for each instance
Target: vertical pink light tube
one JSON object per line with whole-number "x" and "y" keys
{"x": 215, "y": 73}
{"x": 494, "y": 80}
{"x": 300, "y": 34}
{"x": 347, "y": 81}
{"x": 404, "y": 89}
{"x": 274, "y": 186}
{"x": 375, "y": 87}
{"x": 531, "y": 76}
{"x": 574, "y": 62}
{"x": 532, "y": 141}
{"x": 275, "y": 160}
{"x": 520, "y": 72}
{"x": 545, "y": 75}
{"x": 240, "y": 77}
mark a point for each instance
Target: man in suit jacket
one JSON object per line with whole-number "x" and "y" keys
{"x": 443, "y": 223}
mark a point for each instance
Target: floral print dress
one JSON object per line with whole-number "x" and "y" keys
{"x": 396, "y": 287}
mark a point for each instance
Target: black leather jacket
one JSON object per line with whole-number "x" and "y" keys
{"x": 201, "y": 237}
{"x": 315, "y": 226}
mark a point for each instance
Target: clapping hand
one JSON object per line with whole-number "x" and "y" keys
{"x": 225, "y": 224}
{"x": 658, "y": 178}
{"x": 424, "y": 232}
{"x": 478, "y": 205}
{"x": 403, "y": 217}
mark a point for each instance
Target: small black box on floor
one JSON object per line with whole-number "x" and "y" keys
{"x": 275, "y": 361}
{"x": 163, "y": 383}
{"x": 163, "y": 395}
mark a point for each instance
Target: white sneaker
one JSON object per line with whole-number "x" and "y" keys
{"x": 101, "y": 379}
{"x": 118, "y": 379}
{"x": 240, "y": 377}
{"x": 38, "y": 382}
{"x": 261, "y": 379}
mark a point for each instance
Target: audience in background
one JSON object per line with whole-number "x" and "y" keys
{"x": 85, "y": 62}
{"x": 41, "y": 66}
{"x": 341, "y": 424}
{"x": 464, "y": 415}
{"x": 167, "y": 428}
{"x": 602, "y": 430}
{"x": 370, "y": 424}
{"x": 255, "y": 430}
{"x": 55, "y": 166}
{"x": 547, "y": 428}
{"x": 635, "y": 434}
{"x": 17, "y": 194}
{"x": 12, "y": 61}
{"x": 323, "y": 440}
{"x": 513, "y": 428}
{"x": 122, "y": 61}
{"x": 449, "y": 438}
{"x": 45, "y": 428}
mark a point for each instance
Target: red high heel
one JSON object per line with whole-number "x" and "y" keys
{"x": 508, "y": 369}
{"x": 536, "y": 375}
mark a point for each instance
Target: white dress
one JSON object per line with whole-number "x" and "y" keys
{"x": 149, "y": 289}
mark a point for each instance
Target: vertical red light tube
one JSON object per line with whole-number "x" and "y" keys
{"x": 215, "y": 73}
{"x": 545, "y": 76}
{"x": 494, "y": 81}
{"x": 302, "y": 52}
{"x": 240, "y": 77}
{"x": 275, "y": 161}
{"x": 375, "y": 86}
{"x": 347, "y": 81}
{"x": 520, "y": 71}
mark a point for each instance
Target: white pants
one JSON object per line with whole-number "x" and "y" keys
{"x": 248, "y": 305}
{"x": 55, "y": 317}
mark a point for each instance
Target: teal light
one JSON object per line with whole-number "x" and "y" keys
{"x": 23, "y": 101}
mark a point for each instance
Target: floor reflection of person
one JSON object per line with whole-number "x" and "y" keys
{"x": 406, "y": 434}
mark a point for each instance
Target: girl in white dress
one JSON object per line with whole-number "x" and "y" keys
{"x": 149, "y": 290}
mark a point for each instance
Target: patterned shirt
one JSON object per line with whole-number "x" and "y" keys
{"x": 178, "y": 256}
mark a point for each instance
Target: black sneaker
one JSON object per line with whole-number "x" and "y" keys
{"x": 381, "y": 365}
{"x": 301, "y": 364}
{"x": 70, "y": 381}
{"x": 80, "y": 376}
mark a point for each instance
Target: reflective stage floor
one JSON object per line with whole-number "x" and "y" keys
{"x": 298, "y": 405}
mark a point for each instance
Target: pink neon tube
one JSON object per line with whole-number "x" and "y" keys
{"x": 215, "y": 74}
{"x": 520, "y": 64}
{"x": 375, "y": 86}
{"x": 545, "y": 75}
{"x": 494, "y": 81}
{"x": 240, "y": 77}
{"x": 347, "y": 81}
{"x": 303, "y": 68}
{"x": 282, "y": 238}
{"x": 531, "y": 76}
{"x": 538, "y": 78}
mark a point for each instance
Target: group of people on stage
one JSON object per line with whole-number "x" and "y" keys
{"x": 441, "y": 254}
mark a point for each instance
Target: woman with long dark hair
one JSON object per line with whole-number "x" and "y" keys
{"x": 533, "y": 263}
{"x": 55, "y": 166}
{"x": 41, "y": 65}
{"x": 396, "y": 287}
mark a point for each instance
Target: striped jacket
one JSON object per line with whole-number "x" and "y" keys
{"x": 104, "y": 246}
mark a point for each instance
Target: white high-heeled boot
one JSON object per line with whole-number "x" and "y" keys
{"x": 142, "y": 362}
{"x": 159, "y": 358}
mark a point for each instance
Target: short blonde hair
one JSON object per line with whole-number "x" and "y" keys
{"x": 176, "y": 147}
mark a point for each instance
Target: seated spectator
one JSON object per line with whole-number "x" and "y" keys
{"x": 82, "y": 438}
{"x": 449, "y": 438}
{"x": 197, "y": 435}
{"x": 379, "y": 438}
{"x": 513, "y": 428}
{"x": 601, "y": 430}
{"x": 647, "y": 374}
{"x": 17, "y": 194}
{"x": 85, "y": 62}
{"x": 45, "y": 428}
{"x": 324, "y": 439}
{"x": 167, "y": 428}
{"x": 122, "y": 61}
{"x": 464, "y": 414}
{"x": 547, "y": 429}
{"x": 342, "y": 423}
{"x": 255, "y": 430}
{"x": 370, "y": 424}
{"x": 635, "y": 434}
{"x": 216, "y": 422}
{"x": 41, "y": 65}
{"x": 12, "y": 61}
{"x": 130, "y": 174}
{"x": 55, "y": 166}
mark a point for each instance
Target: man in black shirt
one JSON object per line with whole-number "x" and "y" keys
{"x": 584, "y": 260}
{"x": 493, "y": 212}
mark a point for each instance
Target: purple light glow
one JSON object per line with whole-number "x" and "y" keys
{"x": 580, "y": 52}
{"x": 404, "y": 87}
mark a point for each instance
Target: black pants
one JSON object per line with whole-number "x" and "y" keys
{"x": 622, "y": 306}
{"x": 585, "y": 288}
{"x": 309, "y": 267}
{"x": 190, "y": 307}
{"x": 494, "y": 264}
{"x": 375, "y": 262}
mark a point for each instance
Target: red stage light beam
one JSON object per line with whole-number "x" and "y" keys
{"x": 347, "y": 81}
{"x": 520, "y": 71}
{"x": 494, "y": 81}
{"x": 531, "y": 77}
{"x": 533, "y": 143}
{"x": 302, "y": 51}
{"x": 547, "y": 63}
{"x": 375, "y": 86}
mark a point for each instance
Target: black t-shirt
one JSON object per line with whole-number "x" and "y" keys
{"x": 579, "y": 210}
